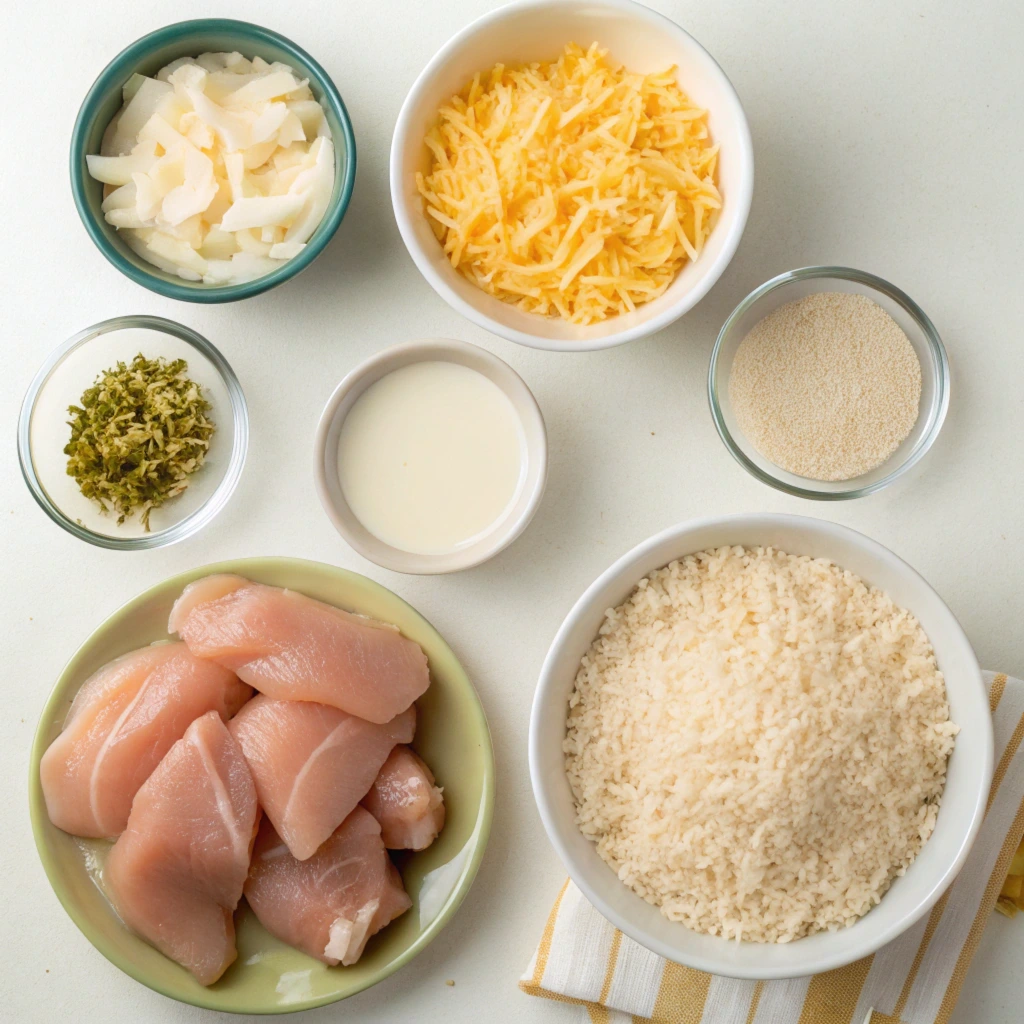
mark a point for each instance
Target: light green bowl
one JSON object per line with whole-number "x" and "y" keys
{"x": 268, "y": 976}
{"x": 146, "y": 56}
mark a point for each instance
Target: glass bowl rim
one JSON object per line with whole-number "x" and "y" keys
{"x": 115, "y": 72}
{"x": 193, "y": 522}
{"x": 932, "y": 339}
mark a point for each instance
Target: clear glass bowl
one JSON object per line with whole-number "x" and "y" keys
{"x": 797, "y": 284}
{"x": 43, "y": 431}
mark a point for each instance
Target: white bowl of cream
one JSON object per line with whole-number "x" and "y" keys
{"x": 431, "y": 457}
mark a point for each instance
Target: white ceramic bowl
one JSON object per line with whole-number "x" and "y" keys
{"x": 534, "y": 468}
{"x": 963, "y": 802}
{"x": 642, "y": 40}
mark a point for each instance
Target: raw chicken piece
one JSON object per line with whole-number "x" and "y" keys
{"x": 405, "y": 801}
{"x": 291, "y": 647}
{"x": 330, "y": 905}
{"x": 123, "y": 721}
{"x": 176, "y": 874}
{"x": 312, "y": 763}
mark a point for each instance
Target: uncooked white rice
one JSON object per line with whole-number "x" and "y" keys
{"x": 757, "y": 743}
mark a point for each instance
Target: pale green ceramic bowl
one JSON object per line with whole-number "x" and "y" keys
{"x": 268, "y": 976}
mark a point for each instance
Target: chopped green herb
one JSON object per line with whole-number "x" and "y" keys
{"x": 141, "y": 430}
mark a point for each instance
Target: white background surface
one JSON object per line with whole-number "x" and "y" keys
{"x": 887, "y": 137}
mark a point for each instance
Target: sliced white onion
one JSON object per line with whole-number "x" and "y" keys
{"x": 118, "y": 170}
{"x": 123, "y": 198}
{"x": 196, "y": 192}
{"x": 286, "y": 250}
{"x": 316, "y": 189}
{"x": 177, "y": 251}
{"x": 222, "y": 167}
{"x": 243, "y": 266}
{"x": 259, "y": 211}
{"x": 264, "y": 88}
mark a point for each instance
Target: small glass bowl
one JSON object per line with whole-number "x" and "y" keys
{"x": 73, "y": 367}
{"x": 797, "y": 284}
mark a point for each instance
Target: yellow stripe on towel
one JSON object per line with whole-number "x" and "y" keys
{"x": 544, "y": 949}
{"x": 897, "y": 990}
{"x": 995, "y": 883}
{"x": 832, "y": 996}
{"x": 681, "y": 995}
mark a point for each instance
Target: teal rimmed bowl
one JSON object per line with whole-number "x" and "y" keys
{"x": 148, "y": 55}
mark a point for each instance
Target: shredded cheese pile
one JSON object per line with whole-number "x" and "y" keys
{"x": 574, "y": 188}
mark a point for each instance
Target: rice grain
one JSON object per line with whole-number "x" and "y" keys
{"x": 757, "y": 743}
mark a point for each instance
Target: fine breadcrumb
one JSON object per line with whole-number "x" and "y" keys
{"x": 141, "y": 430}
{"x": 827, "y": 387}
{"x": 757, "y": 743}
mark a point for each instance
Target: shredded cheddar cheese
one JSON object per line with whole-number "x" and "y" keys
{"x": 574, "y": 188}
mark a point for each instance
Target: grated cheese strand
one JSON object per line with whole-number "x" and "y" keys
{"x": 574, "y": 188}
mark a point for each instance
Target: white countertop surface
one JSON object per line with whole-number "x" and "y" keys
{"x": 887, "y": 137}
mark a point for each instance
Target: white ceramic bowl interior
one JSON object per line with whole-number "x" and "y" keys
{"x": 643, "y": 41}
{"x": 533, "y": 475}
{"x": 963, "y": 802}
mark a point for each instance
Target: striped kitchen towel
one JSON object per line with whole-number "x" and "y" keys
{"x": 608, "y": 978}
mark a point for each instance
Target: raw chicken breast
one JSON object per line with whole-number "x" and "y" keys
{"x": 291, "y": 647}
{"x": 312, "y": 763}
{"x": 330, "y": 905}
{"x": 176, "y": 874}
{"x": 123, "y": 721}
{"x": 405, "y": 801}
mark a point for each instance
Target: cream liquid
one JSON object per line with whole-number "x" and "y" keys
{"x": 431, "y": 457}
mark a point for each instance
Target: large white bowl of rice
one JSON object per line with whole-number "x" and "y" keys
{"x": 761, "y": 745}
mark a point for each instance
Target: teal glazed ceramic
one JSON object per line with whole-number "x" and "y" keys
{"x": 148, "y": 55}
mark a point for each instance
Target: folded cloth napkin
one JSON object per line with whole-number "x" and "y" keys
{"x": 608, "y": 978}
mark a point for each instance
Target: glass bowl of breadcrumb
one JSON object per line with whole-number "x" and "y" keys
{"x": 828, "y": 383}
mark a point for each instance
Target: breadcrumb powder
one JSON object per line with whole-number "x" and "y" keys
{"x": 827, "y": 387}
{"x": 757, "y": 743}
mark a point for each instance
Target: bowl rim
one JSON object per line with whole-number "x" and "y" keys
{"x": 116, "y": 73}
{"x": 932, "y": 338}
{"x": 220, "y": 496}
{"x": 550, "y": 818}
{"x": 39, "y": 818}
{"x": 741, "y": 202}
{"x": 502, "y": 534}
